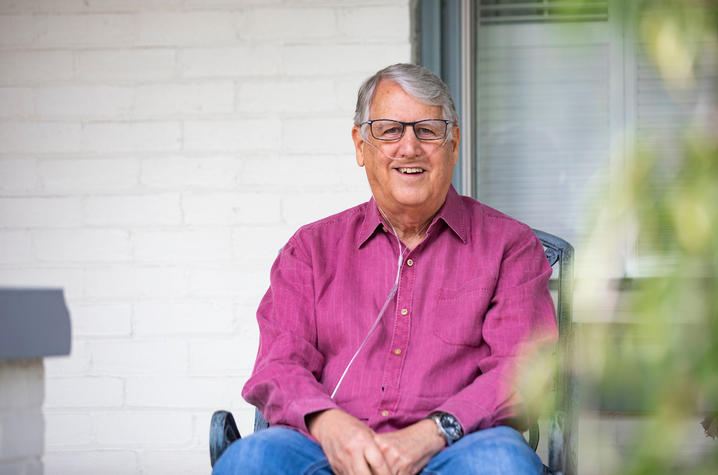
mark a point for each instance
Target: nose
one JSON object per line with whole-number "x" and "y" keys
{"x": 409, "y": 146}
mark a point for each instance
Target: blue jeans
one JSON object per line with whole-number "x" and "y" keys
{"x": 278, "y": 450}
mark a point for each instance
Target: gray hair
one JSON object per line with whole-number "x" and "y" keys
{"x": 417, "y": 81}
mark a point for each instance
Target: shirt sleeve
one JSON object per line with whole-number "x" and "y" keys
{"x": 521, "y": 318}
{"x": 284, "y": 384}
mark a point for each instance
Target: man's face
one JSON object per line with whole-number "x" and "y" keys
{"x": 417, "y": 177}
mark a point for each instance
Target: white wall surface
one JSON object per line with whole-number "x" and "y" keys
{"x": 22, "y": 388}
{"x": 154, "y": 156}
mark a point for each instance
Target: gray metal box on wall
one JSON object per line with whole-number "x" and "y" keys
{"x": 34, "y": 323}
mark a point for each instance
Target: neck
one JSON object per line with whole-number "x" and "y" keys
{"x": 411, "y": 230}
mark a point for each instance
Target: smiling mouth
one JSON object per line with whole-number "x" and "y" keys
{"x": 410, "y": 171}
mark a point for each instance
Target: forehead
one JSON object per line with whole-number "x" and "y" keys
{"x": 392, "y": 102}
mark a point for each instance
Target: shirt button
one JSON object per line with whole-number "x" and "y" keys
{"x": 397, "y": 351}
{"x": 383, "y": 228}
{"x": 384, "y": 413}
{"x": 404, "y": 311}
{"x": 409, "y": 262}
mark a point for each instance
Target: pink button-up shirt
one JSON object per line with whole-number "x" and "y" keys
{"x": 471, "y": 296}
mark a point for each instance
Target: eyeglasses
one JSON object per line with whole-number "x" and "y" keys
{"x": 393, "y": 130}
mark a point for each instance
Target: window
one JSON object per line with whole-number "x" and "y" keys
{"x": 559, "y": 90}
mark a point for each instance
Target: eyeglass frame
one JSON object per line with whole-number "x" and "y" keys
{"x": 403, "y": 128}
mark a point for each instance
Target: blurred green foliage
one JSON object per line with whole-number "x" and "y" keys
{"x": 667, "y": 358}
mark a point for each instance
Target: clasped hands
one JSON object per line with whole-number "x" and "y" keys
{"x": 353, "y": 448}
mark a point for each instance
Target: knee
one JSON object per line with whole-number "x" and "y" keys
{"x": 249, "y": 455}
{"x": 498, "y": 450}
{"x": 241, "y": 457}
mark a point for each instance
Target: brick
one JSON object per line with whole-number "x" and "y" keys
{"x": 240, "y": 135}
{"x": 40, "y": 212}
{"x": 132, "y": 136}
{"x": 183, "y": 28}
{"x": 223, "y": 356}
{"x": 181, "y": 172}
{"x": 91, "y": 461}
{"x": 26, "y": 428}
{"x": 67, "y": 430}
{"x": 143, "y": 429}
{"x": 183, "y": 317}
{"x": 132, "y": 5}
{"x": 225, "y": 4}
{"x": 16, "y": 102}
{"x": 93, "y": 30}
{"x": 85, "y": 101}
{"x": 239, "y": 61}
{"x": 230, "y": 208}
{"x": 16, "y": 247}
{"x": 19, "y": 175}
{"x": 286, "y": 97}
{"x": 159, "y": 391}
{"x": 138, "y": 357}
{"x": 170, "y": 100}
{"x": 246, "y": 285}
{"x": 23, "y": 67}
{"x": 77, "y": 364}
{"x": 29, "y": 275}
{"x": 302, "y": 209}
{"x": 84, "y": 392}
{"x": 82, "y": 245}
{"x": 41, "y": 6}
{"x": 40, "y": 137}
{"x": 182, "y": 246}
{"x": 126, "y": 65}
{"x": 17, "y": 30}
{"x": 350, "y": 176}
{"x": 182, "y": 462}
{"x": 260, "y": 242}
{"x": 135, "y": 282}
{"x": 246, "y": 320}
{"x": 22, "y": 384}
{"x": 346, "y": 91}
{"x": 300, "y": 172}
{"x": 112, "y": 319}
{"x": 302, "y": 135}
{"x": 375, "y": 22}
{"x": 132, "y": 210}
{"x": 361, "y": 59}
{"x": 289, "y": 23}
{"x": 88, "y": 175}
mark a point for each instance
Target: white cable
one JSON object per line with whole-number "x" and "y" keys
{"x": 403, "y": 158}
{"x": 392, "y": 292}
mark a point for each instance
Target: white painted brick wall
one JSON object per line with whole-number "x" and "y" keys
{"x": 154, "y": 157}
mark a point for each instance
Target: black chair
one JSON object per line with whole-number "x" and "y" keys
{"x": 562, "y": 422}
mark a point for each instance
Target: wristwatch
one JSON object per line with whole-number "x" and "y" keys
{"x": 448, "y": 426}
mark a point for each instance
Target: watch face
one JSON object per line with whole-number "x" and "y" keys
{"x": 451, "y": 426}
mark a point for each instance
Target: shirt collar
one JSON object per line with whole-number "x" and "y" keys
{"x": 451, "y": 212}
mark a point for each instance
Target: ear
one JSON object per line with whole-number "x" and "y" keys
{"x": 358, "y": 145}
{"x": 454, "y": 144}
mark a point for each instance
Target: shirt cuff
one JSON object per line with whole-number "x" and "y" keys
{"x": 300, "y": 409}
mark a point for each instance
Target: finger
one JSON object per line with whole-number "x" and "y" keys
{"x": 375, "y": 458}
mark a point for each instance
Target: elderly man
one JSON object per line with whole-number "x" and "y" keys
{"x": 392, "y": 332}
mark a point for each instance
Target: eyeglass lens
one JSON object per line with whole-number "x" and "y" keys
{"x": 389, "y": 130}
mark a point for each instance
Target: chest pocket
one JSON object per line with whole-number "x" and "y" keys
{"x": 459, "y": 312}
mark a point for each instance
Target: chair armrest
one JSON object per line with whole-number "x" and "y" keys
{"x": 222, "y": 432}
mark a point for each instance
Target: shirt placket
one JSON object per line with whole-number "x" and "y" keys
{"x": 399, "y": 347}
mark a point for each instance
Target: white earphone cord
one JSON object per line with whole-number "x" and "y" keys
{"x": 392, "y": 292}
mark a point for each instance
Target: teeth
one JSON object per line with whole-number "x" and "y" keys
{"x": 410, "y": 170}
